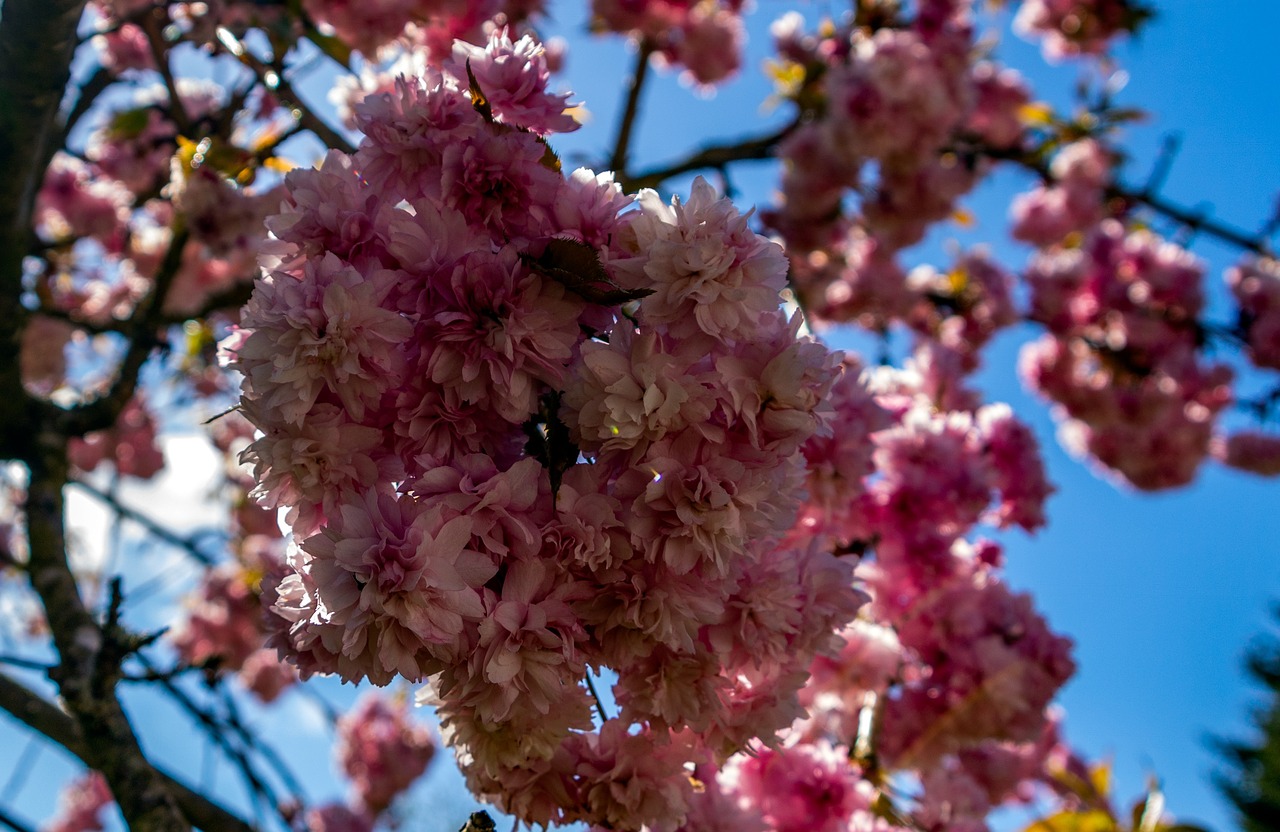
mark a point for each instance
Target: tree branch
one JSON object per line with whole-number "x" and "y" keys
{"x": 1033, "y": 162}
{"x": 631, "y": 109}
{"x": 37, "y": 40}
{"x": 45, "y": 718}
{"x": 101, "y": 413}
{"x": 715, "y": 156}
{"x": 187, "y": 544}
{"x": 89, "y": 655}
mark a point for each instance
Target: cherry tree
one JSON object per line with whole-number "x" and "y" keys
{"x": 562, "y": 451}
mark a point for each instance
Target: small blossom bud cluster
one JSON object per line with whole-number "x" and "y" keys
{"x": 1246, "y": 450}
{"x": 519, "y": 434}
{"x": 1076, "y": 27}
{"x": 705, "y": 38}
{"x": 80, "y": 805}
{"x": 225, "y": 627}
{"x": 381, "y": 751}
{"x": 899, "y": 103}
{"x": 1121, "y": 356}
{"x": 1255, "y": 284}
{"x": 1073, "y": 203}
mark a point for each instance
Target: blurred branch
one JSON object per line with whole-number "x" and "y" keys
{"x": 1033, "y": 160}
{"x": 274, "y": 79}
{"x": 187, "y": 543}
{"x": 220, "y": 730}
{"x": 716, "y": 156}
{"x": 47, "y": 719}
{"x": 631, "y": 109}
{"x": 102, "y": 412}
{"x": 153, "y": 25}
{"x": 37, "y": 40}
{"x": 13, "y": 823}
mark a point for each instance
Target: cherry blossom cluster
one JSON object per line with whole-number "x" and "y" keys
{"x": 520, "y": 436}
{"x": 1072, "y": 201}
{"x": 381, "y": 751}
{"x": 946, "y": 677}
{"x": 80, "y": 805}
{"x": 427, "y": 26}
{"x": 1121, "y": 359}
{"x": 1078, "y": 27}
{"x": 130, "y": 445}
{"x": 705, "y": 38}
{"x": 895, "y": 106}
{"x": 225, "y": 627}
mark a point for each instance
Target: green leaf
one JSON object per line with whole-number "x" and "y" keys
{"x": 576, "y": 266}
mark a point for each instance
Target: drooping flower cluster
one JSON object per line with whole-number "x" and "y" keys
{"x": 900, "y": 102}
{"x": 1121, "y": 356}
{"x": 1078, "y": 27}
{"x": 381, "y": 751}
{"x": 706, "y": 38}
{"x": 225, "y": 626}
{"x": 521, "y": 435}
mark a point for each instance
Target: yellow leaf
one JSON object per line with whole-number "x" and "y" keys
{"x": 1036, "y": 114}
{"x": 278, "y": 164}
{"x": 1088, "y": 821}
{"x": 787, "y": 76}
{"x": 963, "y": 217}
{"x": 1100, "y": 777}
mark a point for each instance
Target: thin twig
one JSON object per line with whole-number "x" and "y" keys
{"x": 215, "y": 729}
{"x": 268, "y": 753}
{"x": 591, "y": 686}
{"x": 275, "y": 80}
{"x": 26, "y": 664}
{"x": 715, "y": 156}
{"x": 1164, "y": 164}
{"x": 151, "y": 25}
{"x": 21, "y": 769}
{"x": 631, "y": 109}
{"x": 187, "y": 544}
{"x": 13, "y": 823}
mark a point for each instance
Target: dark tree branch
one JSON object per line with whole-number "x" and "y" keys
{"x": 153, "y": 25}
{"x": 101, "y": 413}
{"x": 1034, "y": 162}
{"x": 631, "y": 109}
{"x": 216, "y": 729}
{"x": 716, "y": 156}
{"x": 13, "y": 823}
{"x": 45, "y": 718}
{"x": 37, "y": 40}
{"x": 186, "y": 543}
{"x": 89, "y": 655}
